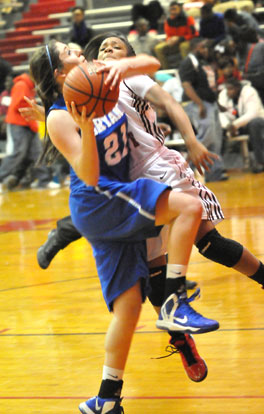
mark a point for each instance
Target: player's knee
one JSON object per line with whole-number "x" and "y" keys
{"x": 194, "y": 209}
{"x": 189, "y": 205}
{"x": 129, "y": 315}
{"x": 219, "y": 249}
{"x": 128, "y": 305}
{"x": 157, "y": 282}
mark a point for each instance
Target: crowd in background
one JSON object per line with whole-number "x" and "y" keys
{"x": 212, "y": 62}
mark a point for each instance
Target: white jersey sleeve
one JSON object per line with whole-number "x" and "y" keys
{"x": 140, "y": 84}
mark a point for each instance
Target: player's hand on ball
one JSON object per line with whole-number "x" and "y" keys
{"x": 81, "y": 119}
{"x": 116, "y": 71}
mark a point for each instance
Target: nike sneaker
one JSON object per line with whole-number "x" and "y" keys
{"x": 177, "y": 315}
{"x": 98, "y": 405}
{"x": 195, "y": 367}
{"x": 183, "y": 344}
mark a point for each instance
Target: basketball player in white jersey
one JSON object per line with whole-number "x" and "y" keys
{"x": 151, "y": 159}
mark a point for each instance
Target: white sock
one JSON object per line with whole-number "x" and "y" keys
{"x": 112, "y": 373}
{"x": 175, "y": 270}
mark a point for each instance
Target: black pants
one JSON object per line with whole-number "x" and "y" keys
{"x": 26, "y": 150}
{"x": 256, "y": 138}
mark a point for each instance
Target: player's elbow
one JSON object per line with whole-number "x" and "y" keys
{"x": 91, "y": 179}
{"x": 169, "y": 104}
{"x": 90, "y": 176}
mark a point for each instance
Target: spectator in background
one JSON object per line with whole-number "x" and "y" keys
{"x": 152, "y": 12}
{"x": 201, "y": 105}
{"x": 212, "y": 25}
{"x": 80, "y": 33}
{"x": 26, "y": 145}
{"x": 244, "y": 114}
{"x": 227, "y": 69}
{"x": 250, "y": 53}
{"x": 225, "y": 48}
{"x": 155, "y": 13}
{"x": 234, "y": 20}
{"x": 143, "y": 41}
{"x": 179, "y": 29}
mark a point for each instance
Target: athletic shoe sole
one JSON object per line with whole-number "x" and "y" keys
{"x": 169, "y": 326}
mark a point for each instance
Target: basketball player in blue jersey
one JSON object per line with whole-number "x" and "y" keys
{"x": 116, "y": 216}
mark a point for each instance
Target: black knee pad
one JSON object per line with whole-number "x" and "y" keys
{"x": 217, "y": 248}
{"x": 157, "y": 282}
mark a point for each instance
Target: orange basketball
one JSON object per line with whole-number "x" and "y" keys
{"x": 86, "y": 88}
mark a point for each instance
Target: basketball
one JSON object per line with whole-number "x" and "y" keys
{"x": 86, "y": 88}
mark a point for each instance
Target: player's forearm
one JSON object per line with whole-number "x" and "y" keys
{"x": 86, "y": 165}
{"x": 181, "y": 121}
{"x": 137, "y": 65}
{"x": 190, "y": 92}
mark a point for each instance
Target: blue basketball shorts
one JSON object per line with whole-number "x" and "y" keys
{"x": 116, "y": 218}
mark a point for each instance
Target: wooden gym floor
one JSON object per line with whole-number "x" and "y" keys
{"x": 53, "y": 321}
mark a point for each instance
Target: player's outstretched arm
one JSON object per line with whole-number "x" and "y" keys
{"x": 197, "y": 152}
{"x": 126, "y": 67}
{"x": 33, "y": 112}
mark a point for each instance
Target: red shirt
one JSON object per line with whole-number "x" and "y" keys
{"x": 185, "y": 29}
{"x": 236, "y": 75}
{"x": 23, "y": 86}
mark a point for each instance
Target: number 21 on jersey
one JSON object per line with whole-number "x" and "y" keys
{"x": 116, "y": 146}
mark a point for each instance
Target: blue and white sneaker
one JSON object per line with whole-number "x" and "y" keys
{"x": 98, "y": 405}
{"x": 177, "y": 315}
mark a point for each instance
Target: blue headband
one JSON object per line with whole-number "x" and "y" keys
{"x": 48, "y": 54}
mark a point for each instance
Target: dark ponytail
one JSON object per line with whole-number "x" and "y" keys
{"x": 42, "y": 65}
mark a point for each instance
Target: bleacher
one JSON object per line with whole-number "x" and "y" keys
{"x": 52, "y": 18}
{"x": 44, "y": 19}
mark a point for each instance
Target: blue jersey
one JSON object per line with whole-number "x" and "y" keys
{"x": 116, "y": 216}
{"x": 112, "y": 145}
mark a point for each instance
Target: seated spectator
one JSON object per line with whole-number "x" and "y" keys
{"x": 212, "y": 25}
{"x": 26, "y": 145}
{"x": 250, "y": 52}
{"x": 152, "y": 12}
{"x": 244, "y": 114}
{"x": 201, "y": 105}
{"x": 138, "y": 10}
{"x": 179, "y": 30}
{"x": 155, "y": 12}
{"x": 235, "y": 19}
{"x": 227, "y": 69}
{"x": 80, "y": 33}
{"x": 143, "y": 41}
{"x": 225, "y": 48}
